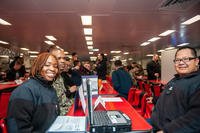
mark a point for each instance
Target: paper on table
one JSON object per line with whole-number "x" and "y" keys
{"x": 68, "y": 124}
{"x": 111, "y": 99}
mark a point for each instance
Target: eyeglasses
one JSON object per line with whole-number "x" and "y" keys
{"x": 186, "y": 59}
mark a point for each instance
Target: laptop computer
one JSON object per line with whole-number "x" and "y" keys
{"x": 105, "y": 121}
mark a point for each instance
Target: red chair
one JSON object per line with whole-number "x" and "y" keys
{"x": 157, "y": 90}
{"x": 147, "y": 89}
{"x": 140, "y": 84}
{"x": 131, "y": 95}
{"x": 4, "y": 100}
{"x": 148, "y": 110}
{"x": 3, "y": 126}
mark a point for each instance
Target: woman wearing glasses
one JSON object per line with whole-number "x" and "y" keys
{"x": 178, "y": 108}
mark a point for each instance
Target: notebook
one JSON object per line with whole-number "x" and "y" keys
{"x": 105, "y": 121}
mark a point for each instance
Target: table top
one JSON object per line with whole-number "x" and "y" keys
{"x": 8, "y": 85}
{"x": 138, "y": 122}
{"x": 107, "y": 89}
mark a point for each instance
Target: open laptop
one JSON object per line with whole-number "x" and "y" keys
{"x": 105, "y": 121}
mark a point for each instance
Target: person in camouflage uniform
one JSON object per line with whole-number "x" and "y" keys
{"x": 63, "y": 84}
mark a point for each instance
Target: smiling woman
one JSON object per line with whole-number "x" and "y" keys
{"x": 35, "y": 98}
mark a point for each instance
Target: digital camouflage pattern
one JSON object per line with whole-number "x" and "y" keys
{"x": 64, "y": 102}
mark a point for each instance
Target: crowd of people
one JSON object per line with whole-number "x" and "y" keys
{"x": 53, "y": 81}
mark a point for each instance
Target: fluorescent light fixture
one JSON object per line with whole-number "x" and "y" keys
{"x": 33, "y": 52}
{"x": 126, "y": 53}
{"x": 145, "y": 43}
{"x": 124, "y": 60}
{"x": 150, "y": 55}
{"x": 88, "y": 38}
{"x": 3, "y": 22}
{"x": 33, "y": 56}
{"x": 93, "y": 58}
{"x": 66, "y": 52}
{"x": 86, "y": 20}
{"x": 3, "y": 42}
{"x": 91, "y": 52}
{"x": 90, "y": 47}
{"x": 49, "y": 42}
{"x": 161, "y": 50}
{"x": 154, "y": 39}
{"x": 167, "y": 32}
{"x": 105, "y": 54}
{"x": 130, "y": 58}
{"x": 183, "y": 44}
{"x": 52, "y": 38}
{"x": 89, "y": 42}
{"x": 24, "y": 49}
{"x": 87, "y": 31}
{"x": 117, "y": 57}
{"x": 4, "y": 56}
{"x": 169, "y": 48}
{"x": 192, "y": 20}
{"x": 116, "y": 52}
{"x": 95, "y": 49}
{"x": 21, "y": 54}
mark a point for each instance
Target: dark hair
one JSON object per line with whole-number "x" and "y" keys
{"x": 39, "y": 62}
{"x": 17, "y": 60}
{"x": 76, "y": 62}
{"x": 118, "y": 63}
{"x": 74, "y": 53}
{"x": 193, "y": 51}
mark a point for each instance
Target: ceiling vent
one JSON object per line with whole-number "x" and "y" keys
{"x": 178, "y": 4}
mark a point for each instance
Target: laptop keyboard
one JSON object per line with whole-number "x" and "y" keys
{"x": 101, "y": 118}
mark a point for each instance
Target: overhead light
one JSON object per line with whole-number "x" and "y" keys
{"x": 93, "y": 58}
{"x": 154, "y": 39}
{"x": 145, "y": 43}
{"x": 90, "y": 47}
{"x": 117, "y": 57}
{"x": 89, "y": 42}
{"x": 24, "y": 49}
{"x": 3, "y": 42}
{"x": 161, "y": 50}
{"x": 52, "y": 38}
{"x": 150, "y": 55}
{"x": 167, "y": 32}
{"x": 116, "y": 52}
{"x": 91, "y": 52}
{"x": 33, "y": 52}
{"x": 126, "y": 53}
{"x": 130, "y": 58}
{"x": 87, "y": 31}
{"x": 66, "y": 52}
{"x": 33, "y": 56}
{"x": 21, "y": 54}
{"x": 86, "y": 20}
{"x": 124, "y": 60}
{"x": 3, "y": 22}
{"x": 49, "y": 42}
{"x": 183, "y": 44}
{"x": 192, "y": 20}
{"x": 88, "y": 38}
{"x": 169, "y": 48}
{"x": 105, "y": 54}
{"x": 95, "y": 49}
{"x": 4, "y": 56}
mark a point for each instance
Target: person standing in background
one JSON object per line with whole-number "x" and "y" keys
{"x": 177, "y": 109}
{"x": 101, "y": 67}
{"x": 16, "y": 69}
{"x": 33, "y": 106}
{"x": 154, "y": 68}
{"x": 121, "y": 79}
